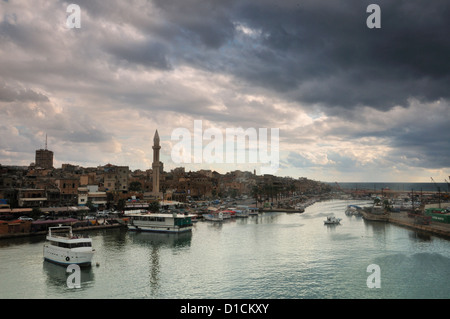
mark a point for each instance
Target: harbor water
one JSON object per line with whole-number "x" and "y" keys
{"x": 274, "y": 255}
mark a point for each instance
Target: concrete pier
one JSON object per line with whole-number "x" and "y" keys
{"x": 434, "y": 228}
{"x": 44, "y": 233}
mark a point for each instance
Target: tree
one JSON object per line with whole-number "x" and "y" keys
{"x": 135, "y": 186}
{"x": 109, "y": 199}
{"x": 154, "y": 207}
{"x": 387, "y": 205}
{"x": 36, "y": 212}
{"x": 90, "y": 205}
{"x": 121, "y": 205}
{"x": 256, "y": 192}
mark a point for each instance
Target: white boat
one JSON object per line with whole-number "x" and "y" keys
{"x": 241, "y": 213}
{"x": 226, "y": 214}
{"x": 164, "y": 223}
{"x": 331, "y": 220}
{"x": 353, "y": 210}
{"x": 65, "y": 248}
{"x": 215, "y": 217}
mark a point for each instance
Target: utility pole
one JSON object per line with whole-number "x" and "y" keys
{"x": 439, "y": 192}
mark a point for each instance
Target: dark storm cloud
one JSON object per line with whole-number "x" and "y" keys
{"x": 151, "y": 54}
{"x": 209, "y": 23}
{"x": 322, "y": 51}
{"x": 249, "y": 63}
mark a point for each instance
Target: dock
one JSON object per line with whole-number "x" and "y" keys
{"x": 434, "y": 228}
{"x": 43, "y": 233}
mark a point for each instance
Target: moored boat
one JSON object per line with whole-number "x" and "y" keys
{"x": 242, "y": 213}
{"x": 64, "y": 248}
{"x": 331, "y": 220}
{"x": 215, "y": 217}
{"x": 165, "y": 223}
{"x": 375, "y": 214}
{"x": 353, "y": 210}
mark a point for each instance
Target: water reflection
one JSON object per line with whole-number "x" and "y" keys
{"x": 377, "y": 227}
{"x": 21, "y": 241}
{"x": 156, "y": 242}
{"x": 161, "y": 239}
{"x": 57, "y": 276}
{"x": 420, "y": 235}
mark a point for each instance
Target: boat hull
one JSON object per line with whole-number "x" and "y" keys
{"x": 213, "y": 217}
{"x": 159, "y": 229}
{"x": 374, "y": 216}
{"x": 64, "y": 256}
{"x": 160, "y": 223}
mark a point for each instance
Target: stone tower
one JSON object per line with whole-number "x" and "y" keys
{"x": 44, "y": 157}
{"x": 156, "y": 165}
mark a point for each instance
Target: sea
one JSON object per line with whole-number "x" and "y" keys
{"x": 402, "y": 187}
{"x": 272, "y": 256}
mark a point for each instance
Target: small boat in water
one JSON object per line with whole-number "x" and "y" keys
{"x": 331, "y": 220}
{"x": 64, "y": 248}
{"x": 353, "y": 210}
{"x": 215, "y": 217}
{"x": 242, "y": 213}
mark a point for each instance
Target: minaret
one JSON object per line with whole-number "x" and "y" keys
{"x": 155, "y": 166}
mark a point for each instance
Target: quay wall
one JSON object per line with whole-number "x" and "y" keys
{"x": 43, "y": 233}
{"x": 434, "y": 228}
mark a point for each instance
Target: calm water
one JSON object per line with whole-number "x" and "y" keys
{"x": 403, "y": 187}
{"x": 274, "y": 255}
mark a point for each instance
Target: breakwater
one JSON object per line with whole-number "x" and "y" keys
{"x": 434, "y": 228}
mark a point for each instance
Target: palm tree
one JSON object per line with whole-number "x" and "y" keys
{"x": 154, "y": 207}
{"x": 256, "y": 192}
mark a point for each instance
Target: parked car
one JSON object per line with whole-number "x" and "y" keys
{"x": 103, "y": 213}
{"x": 26, "y": 218}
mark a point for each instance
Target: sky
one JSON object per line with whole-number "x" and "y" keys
{"x": 350, "y": 103}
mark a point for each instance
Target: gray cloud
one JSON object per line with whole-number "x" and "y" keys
{"x": 10, "y": 94}
{"x": 252, "y": 63}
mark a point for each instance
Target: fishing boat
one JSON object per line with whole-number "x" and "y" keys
{"x": 241, "y": 213}
{"x": 353, "y": 210}
{"x": 331, "y": 220}
{"x": 375, "y": 214}
{"x": 164, "y": 223}
{"x": 64, "y": 248}
{"x": 227, "y": 214}
{"x": 214, "y": 216}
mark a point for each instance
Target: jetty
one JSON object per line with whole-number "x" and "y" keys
{"x": 117, "y": 223}
{"x": 433, "y": 228}
{"x": 415, "y": 221}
